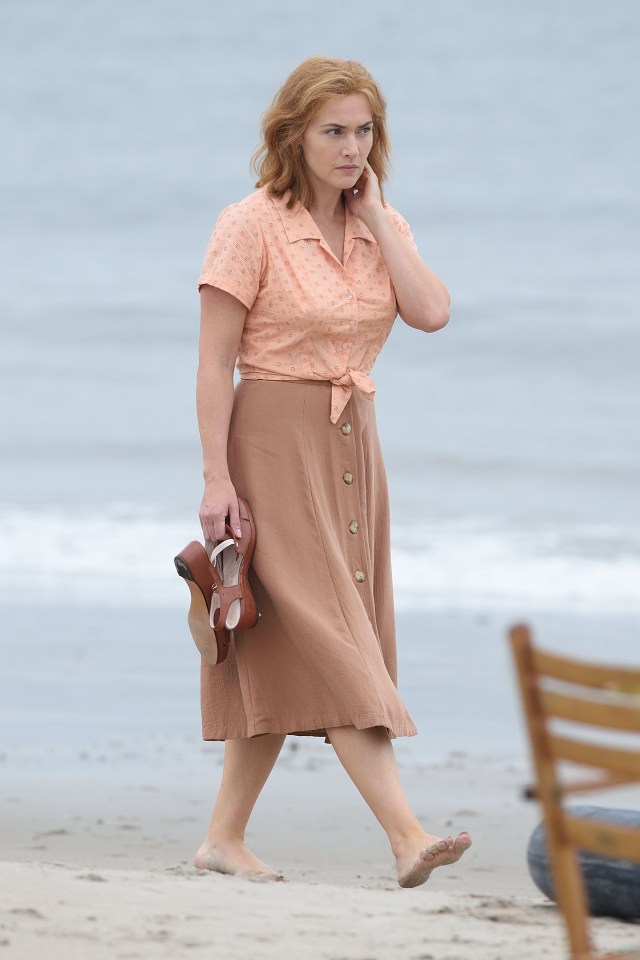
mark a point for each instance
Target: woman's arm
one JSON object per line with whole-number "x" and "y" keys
{"x": 423, "y": 299}
{"x": 221, "y": 321}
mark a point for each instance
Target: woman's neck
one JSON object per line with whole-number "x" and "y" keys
{"x": 328, "y": 205}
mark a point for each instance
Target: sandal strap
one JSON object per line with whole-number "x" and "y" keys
{"x": 214, "y": 567}
{"x": 218, "y": 550}
{"x": 227, "y": 596}
{"x": 226, "y": 592}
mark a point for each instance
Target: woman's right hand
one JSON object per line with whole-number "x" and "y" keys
{"x": 219, "y": 501}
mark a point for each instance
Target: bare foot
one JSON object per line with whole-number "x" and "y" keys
{"x": 413, "y": 871}
{"x": 234, "y": 858}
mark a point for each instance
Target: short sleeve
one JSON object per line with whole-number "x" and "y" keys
{"x": 401, "y": 225}
{"x": 233, "y": 260}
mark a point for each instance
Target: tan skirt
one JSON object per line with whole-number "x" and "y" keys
{"x": 323, "y": 653}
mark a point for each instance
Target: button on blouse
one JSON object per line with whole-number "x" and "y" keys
{"x": 309, "y": 317}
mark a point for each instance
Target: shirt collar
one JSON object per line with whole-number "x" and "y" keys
{"x": 299, "y": 224}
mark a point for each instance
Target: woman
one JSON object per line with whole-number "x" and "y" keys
{"x": 301, "y": 284}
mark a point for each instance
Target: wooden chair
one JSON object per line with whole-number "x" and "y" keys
{"x": 577, "y": 714}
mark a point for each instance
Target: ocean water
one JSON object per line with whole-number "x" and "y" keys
{"x": 511, "y": 437}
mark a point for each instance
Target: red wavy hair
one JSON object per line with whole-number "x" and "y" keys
{"x": 277, "y": 162}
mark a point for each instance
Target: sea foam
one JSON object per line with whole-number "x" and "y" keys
{"x": 123, "y": 556}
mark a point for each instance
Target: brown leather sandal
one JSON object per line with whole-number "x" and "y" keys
{"x": 221, "y": 597}
{"x": 238, "y": 610}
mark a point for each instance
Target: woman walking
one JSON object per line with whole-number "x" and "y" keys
{"x": 301, "y": 284}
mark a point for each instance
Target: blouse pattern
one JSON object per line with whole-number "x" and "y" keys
{"x": 309, "y": 317}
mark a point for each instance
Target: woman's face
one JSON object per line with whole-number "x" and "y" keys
{"x": 337, "y": 142}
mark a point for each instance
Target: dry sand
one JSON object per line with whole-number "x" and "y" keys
{"x": 60, "y": 911}
{"x": 96, "y": 864}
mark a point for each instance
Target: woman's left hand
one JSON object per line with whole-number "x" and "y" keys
{"x": 366, "y": 200}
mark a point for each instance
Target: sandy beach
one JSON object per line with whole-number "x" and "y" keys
{"x": 107, "y": 792}
{"x": 115, "y": 913}
{"x": 96, "y": 864}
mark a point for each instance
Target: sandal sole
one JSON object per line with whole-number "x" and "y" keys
{"x": 212, "y": 644}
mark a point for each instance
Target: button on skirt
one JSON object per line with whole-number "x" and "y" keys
{"x": 323, "y": 653}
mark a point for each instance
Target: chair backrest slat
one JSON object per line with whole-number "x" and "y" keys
{"x": 626, "y": 762}
{"x": 605, "y": 839}
{"x": 593, "y": 712}
{"x": 604, "y": 676}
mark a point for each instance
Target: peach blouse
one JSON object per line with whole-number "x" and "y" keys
{"x": 309, "y": 317}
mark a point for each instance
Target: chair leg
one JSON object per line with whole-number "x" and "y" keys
{"x": 572, "y": 900}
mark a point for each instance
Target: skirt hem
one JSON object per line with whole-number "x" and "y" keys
{"x": 312, "y": 728}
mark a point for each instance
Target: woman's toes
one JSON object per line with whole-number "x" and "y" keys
{"x": 440, "y": 846}
{"x": 437, "y": 854}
